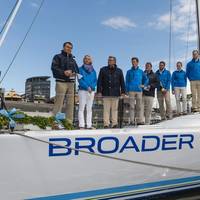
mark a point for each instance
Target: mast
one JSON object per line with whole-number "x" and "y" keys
{"x": 9, "y": 21}
{"x": 198, "y": 23}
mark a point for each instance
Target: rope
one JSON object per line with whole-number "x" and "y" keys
{"x": 110, "y": 157}
{"x": 21, "y": 44}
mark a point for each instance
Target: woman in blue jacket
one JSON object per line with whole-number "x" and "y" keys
{"x": 87, "y": 85}
{"x": 179, "y": 83}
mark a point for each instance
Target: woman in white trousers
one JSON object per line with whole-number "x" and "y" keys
{"x": 87, "y": 85}
{"x": 179, "y": 83}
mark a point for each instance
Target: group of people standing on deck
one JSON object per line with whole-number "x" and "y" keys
{"x": 140, "y": 86}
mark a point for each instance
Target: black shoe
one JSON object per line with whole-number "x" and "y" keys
{"x": 115, "y": 126}
{"x": 140, "y": 123}
{"x": 169, "y": 117}
{"x": 132, "y": 124}
{"x": 106, "y": 127}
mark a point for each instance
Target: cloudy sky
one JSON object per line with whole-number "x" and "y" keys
{"x": 123, "y": 28}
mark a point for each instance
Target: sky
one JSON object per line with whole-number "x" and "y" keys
{"x": 122, "y": 28}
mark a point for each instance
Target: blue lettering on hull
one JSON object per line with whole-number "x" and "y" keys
{"x": 112, "y": 144}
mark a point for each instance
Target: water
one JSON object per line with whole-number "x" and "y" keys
{"x": 191, "y": 194}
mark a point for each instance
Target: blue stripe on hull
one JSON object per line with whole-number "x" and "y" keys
{"x": 117, "y": 192}
{"x": 150, "y": 192}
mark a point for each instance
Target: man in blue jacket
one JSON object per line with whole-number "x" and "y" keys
{"x": 163, "y": 91}
{"x": 179, "y": 83}
{"x": 193, "y": 74}
{"x": 136, "y": 80}
{"x": 64, "y": 70}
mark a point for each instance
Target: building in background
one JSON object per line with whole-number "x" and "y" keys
{"x": 38, "y": 88}
{"x": 12, "y": 96}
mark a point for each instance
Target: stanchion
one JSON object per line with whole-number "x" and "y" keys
{"x": 121, "y": 111}
{"x": 2, "y": 105}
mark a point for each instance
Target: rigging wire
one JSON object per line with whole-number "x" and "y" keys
{"x": 188, "y": 30}
{"x": 170, "y": 34}
{"x": 21, "y": 44}
{"x": 173, "y": 43}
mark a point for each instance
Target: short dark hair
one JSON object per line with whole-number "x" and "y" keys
{"x": 135, "y": 58}
{"x": 179, "y": 62}
{"x": 148, "y": 63}
{"x": 67, "y": 43}
{"x": 112, "y": 57}
{"x": 162, "y": 62}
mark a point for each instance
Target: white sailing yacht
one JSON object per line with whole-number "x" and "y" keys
{"x": 101, "y": 164}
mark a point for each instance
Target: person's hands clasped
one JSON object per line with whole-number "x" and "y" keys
{"x": 68, "y": 73}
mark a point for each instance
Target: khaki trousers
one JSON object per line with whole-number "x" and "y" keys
{"x": 164, "y": 98}
{"x": 110, "y": 105}
{"x": 62, "y": 90}
{"x": 148, "y": 104}
{"x": 136, "y": 107}
{"x": 195, "y": 89}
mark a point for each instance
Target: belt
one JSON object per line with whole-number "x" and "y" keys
{"x": 64, "y": 81}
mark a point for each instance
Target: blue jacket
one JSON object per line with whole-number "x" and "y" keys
{"x": 88, "y": 79}
{"x": 179, "y": 79}
{"x": 134, "y": 79}
{"x": 164, "y": 79}
{"x": 193, "y": 70}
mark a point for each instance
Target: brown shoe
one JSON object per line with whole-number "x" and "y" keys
{"x": 194, "y": 109}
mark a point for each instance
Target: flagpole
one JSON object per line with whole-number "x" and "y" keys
{"x": 198, "y": 23}
{"x": 9, "y": 21}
